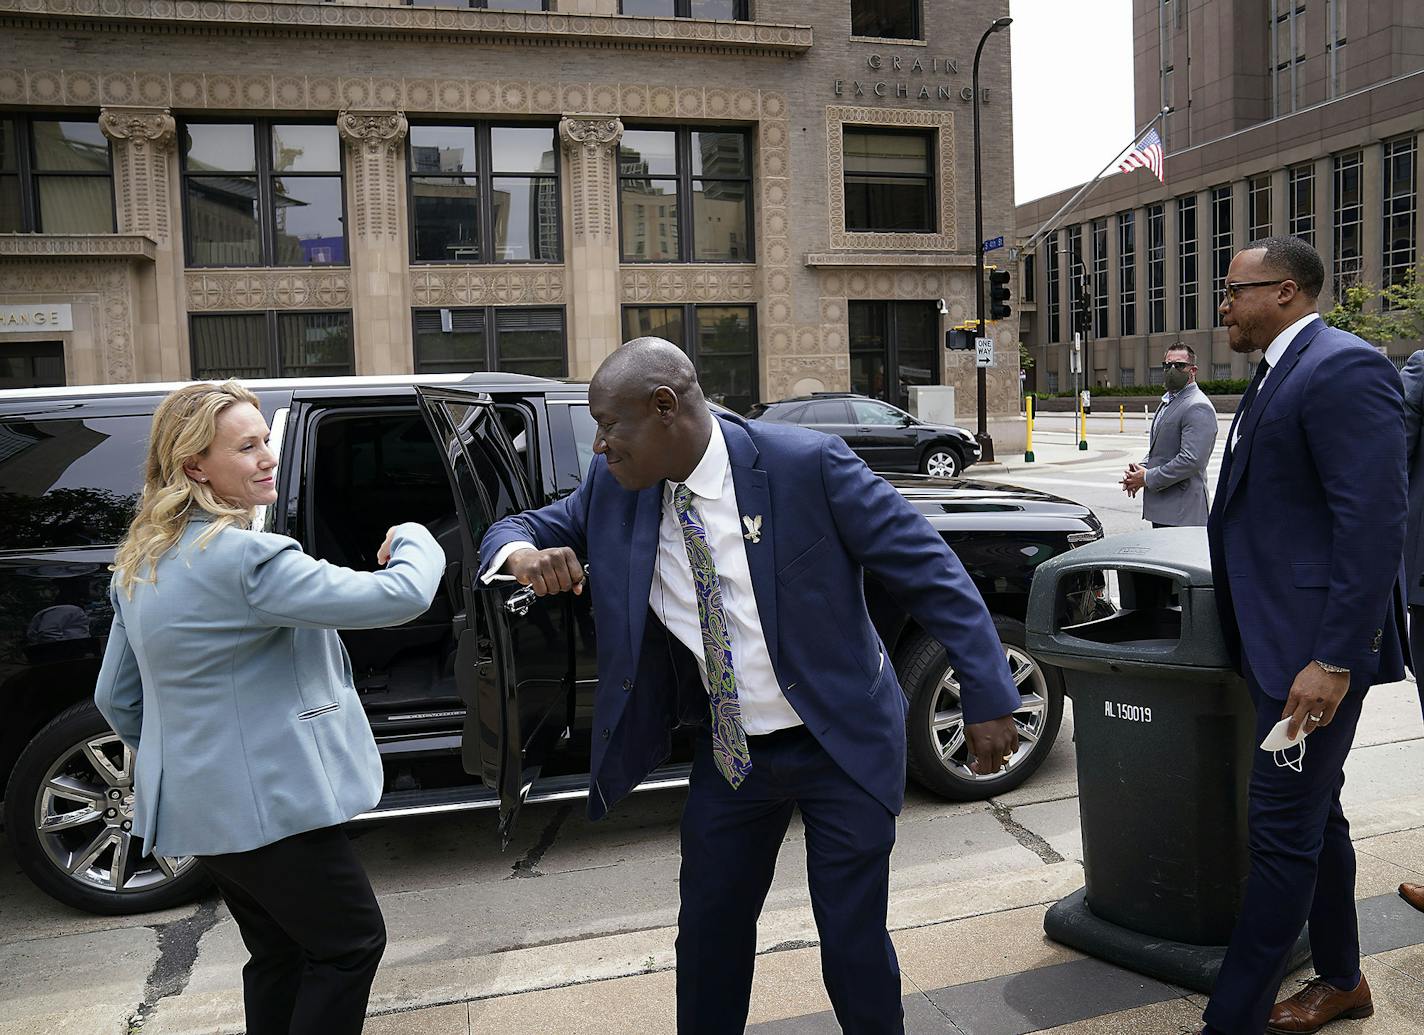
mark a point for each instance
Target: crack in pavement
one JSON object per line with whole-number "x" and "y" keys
{"x": 529, "y": 865}
{"x": 1023, "y": 835}
{"x": 177, "y": 953}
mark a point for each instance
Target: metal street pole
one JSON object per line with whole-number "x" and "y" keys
{"x": 986, "y": 442}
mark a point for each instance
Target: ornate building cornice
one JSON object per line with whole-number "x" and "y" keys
{"x": 140, "y": 127}
{"x": 373, "y": 131}
{"x": 77, "y": 246}
{"x": 535, "y": 28}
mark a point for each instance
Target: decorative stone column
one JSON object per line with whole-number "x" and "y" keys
{"x": 590, "y": 145}
{"x": 145, "y": 169}
{"x": 377, "y": 240}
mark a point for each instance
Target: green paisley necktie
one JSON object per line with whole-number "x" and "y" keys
{"x": 729, "y": 739}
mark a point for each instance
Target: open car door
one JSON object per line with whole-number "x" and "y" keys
{"x": 517, "y": 702}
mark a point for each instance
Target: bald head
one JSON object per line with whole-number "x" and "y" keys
{"x": 653, "y": 423}
{"x": 639, "y": 367}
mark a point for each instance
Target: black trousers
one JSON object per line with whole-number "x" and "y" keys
{"x": 311, "y": 922}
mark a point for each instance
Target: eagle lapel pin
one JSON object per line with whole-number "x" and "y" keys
{"x": 753, "y": 526}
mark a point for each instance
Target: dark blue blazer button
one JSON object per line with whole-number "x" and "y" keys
{"x": 627, "y": 684}
{"x": 605, "y": 733}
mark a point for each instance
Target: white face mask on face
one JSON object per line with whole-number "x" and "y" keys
{"x": 1279, "y": 744}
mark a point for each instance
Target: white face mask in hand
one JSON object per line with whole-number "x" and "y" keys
{"x": 1278, "y": 742}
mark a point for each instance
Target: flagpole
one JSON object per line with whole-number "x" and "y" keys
{"x": 1052, "y": 223}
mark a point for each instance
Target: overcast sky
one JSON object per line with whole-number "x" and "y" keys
{"x": 1072, "y": 65}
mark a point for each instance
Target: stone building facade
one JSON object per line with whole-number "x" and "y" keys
{"x": 372, "y": 188}
{"x": 1290, "y": 118}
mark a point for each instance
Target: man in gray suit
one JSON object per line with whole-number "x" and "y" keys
{"x": 1173, "y": 476}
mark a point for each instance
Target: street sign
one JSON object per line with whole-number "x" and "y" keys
{"x": 983, "y": 352}
{"x": 993, "y": 244}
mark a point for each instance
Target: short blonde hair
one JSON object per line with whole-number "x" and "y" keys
{"x": 184, "y": 427}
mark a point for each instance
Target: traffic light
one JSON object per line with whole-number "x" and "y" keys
{"x": 1083, "y": 314}
{"x": 998, "y": 294}
{"x": 961, "y": 337}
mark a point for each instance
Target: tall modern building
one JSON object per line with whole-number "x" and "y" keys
{"x": 1291, "y": 117}
{"x": 268, "y": 187}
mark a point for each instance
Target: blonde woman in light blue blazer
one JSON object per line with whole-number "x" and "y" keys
{"x": 225, "y": 675}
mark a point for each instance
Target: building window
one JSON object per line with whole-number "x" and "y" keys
{"x": 1302, "y": 203}
{"x": 1187, "y": 262}
{"x": 1335, "y": 44}
{"x": 491, "y": 5}
{"x": 1126, "y": 376}
{"x": 889, "y": 180}
{"x": 721, "y": 10}
{"x": 1156, "y": 375}
{"x": 1156, "y": 269}
{"x": 1401, "y": 205}
{"x": 1287, "y": 54}
{"x": 1050, "y": 267}
{"x": 1029, "y": 278}
{"x": 893, "y": 345}
{"x": 1258, "y": 205}
{"x": 685, "y": 195}
{"x": 55, "y": 177}
{"x": 1100, "y": 278}
{"x": 1078, "y": 287}
{"x": 514, "y": 339}
{"x": 271, "y": 344}
{"x": 263, "y": 194}
{"x": 885, "y": 19}
{"x": 1220, "y": 371}
{"x": 1220, "y": 245}
{"x": 719, "y": 339}
{"x": 32, "y": 364}
{"x": 1349, "y": 220}
{"x": 482, "y": 193}
{"x": 1128, "y": 272}
{"x": 1053, "y": 380}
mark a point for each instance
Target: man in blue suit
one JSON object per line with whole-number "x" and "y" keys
{"x": 727, "y": 562}
{"x": 1306, "y": 534}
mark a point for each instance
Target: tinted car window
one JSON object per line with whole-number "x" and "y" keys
{"x": 825, "y": 413}
{"x": 867, "y": 412}
{"x": 791, "y": 414}
{"x": 70, "y": 482}
{"x": 585, "y": 427}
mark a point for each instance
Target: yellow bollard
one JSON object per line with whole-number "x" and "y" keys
{"x": 1121, "y": 419}
{"x": 1082, "y": 426}
{"x": 1028, "y": 440}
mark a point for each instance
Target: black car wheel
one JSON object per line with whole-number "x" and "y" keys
{"x": 939, "y": 755}
{"x": 941, "y": 461}
{"x": 69, "y": 814}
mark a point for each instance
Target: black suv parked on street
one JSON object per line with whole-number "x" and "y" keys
{"x": 472, "y": 704}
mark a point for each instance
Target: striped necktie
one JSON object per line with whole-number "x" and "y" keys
{"x": 729, "y": 738}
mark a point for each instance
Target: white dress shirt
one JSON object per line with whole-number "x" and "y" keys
{"x": 673, "y": 595}
{"x": 1274, "y": 352}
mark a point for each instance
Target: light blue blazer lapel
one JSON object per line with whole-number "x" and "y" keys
{"x": 1274, "y": 380}
{"x": 754, "y": 501}
{"x": 643, "y": 555}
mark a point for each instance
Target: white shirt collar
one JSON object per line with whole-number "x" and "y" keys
{"x": 1282, "y": 341}
{"x": 710, "y": 474}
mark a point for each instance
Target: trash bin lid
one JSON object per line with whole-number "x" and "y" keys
{"x": 1141, "y": 597}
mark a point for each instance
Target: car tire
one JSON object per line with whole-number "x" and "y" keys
{"x": 942, "y": 461}
{"x": 938, "y": 756}
{"x": 67, "y": 824}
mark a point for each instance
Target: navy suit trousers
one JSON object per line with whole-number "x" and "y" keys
{"x": 730, "y": 839}
{"x": 1302, "y": 871}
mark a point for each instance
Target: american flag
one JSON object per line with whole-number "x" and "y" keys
{"x": 1146, "y": 154}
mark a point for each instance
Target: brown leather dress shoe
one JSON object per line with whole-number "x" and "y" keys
{"x": 1316, "y": 1005}
{"x": 1413, "y": 894}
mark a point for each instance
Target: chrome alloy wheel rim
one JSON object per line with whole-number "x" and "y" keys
{"x": 84, "y": 818}
{"x": 940, "y": 465}
{"x": 947, "y": 717}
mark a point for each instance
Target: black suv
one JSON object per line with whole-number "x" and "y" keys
{"x": 473, "y": 704}
{"x": 884, "y": 436}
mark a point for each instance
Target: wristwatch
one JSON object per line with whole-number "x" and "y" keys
{"x": 1334, "y": 670}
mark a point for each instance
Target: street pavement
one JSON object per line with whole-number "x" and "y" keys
{"x": 571, "y": 929}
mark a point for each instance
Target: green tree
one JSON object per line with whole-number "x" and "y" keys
{"x": 1399, "y": 313}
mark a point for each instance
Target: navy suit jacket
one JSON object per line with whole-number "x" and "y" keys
{"x": 1307, "y": 528}
{"x": 1413, "y": 375}
{"x": 825, "y": 519}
